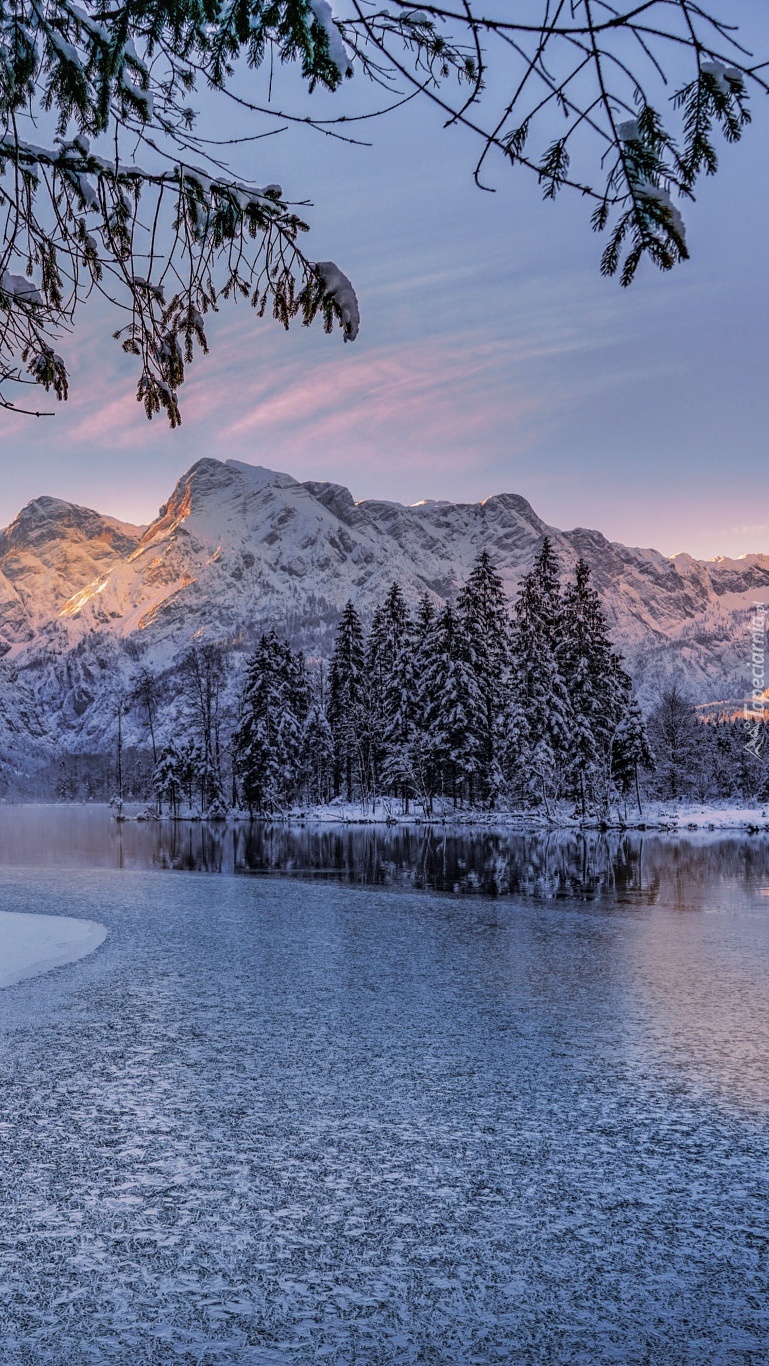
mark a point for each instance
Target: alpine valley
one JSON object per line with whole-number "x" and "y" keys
{"x": 86, "y": 600}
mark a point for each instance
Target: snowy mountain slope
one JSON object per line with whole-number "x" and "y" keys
{"x": 52, "y": 550}
{"x": 85, "y": 599}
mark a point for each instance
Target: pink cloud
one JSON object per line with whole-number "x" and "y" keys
{"x": 427, "y": 393}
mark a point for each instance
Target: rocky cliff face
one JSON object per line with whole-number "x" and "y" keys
{"x": 85, "y": 599}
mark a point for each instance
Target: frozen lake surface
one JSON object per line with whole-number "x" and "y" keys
{"x": 277, "y": 1119}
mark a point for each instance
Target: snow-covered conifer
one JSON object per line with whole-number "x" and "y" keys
{"x": 631, "y": 750}
{"x": 347, "y": 705}
{"x": 269, "y": 737}
{"x": 452, "y": 705}
{"x": 168, "y": 778}
{"x": 540, "y": 720}
{"x": 599, "y": 689}
{"x": 390, "y": 685}
{"x": 484, "y": 612}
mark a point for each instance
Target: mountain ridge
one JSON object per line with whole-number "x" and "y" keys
{"x": 86, "y": 599}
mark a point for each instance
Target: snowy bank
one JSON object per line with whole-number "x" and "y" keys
{"x": 31, "y": 944}
{"x": 670, "y": 816}
{"x": 705, "y": 816}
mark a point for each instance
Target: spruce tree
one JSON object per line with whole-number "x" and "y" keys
{"x": 484, "y": 612}
{"x": 631, "y": 751}
{"x": 599, "y": 689}
{"x": 376, "y": 654}
{"x": 168, "y": 778}
{"x": 389, "y": 631}
{"x": 452, "y": 709}
{"x": 258, "y": 755}
{"x": 539, "y": 720}
{"x": 399, "y": 702}
{"x": 347, "y": 705}
{"x": 418, "y": 760}
{"x": 269, "y": 738}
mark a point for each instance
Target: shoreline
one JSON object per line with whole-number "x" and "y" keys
{"x": 663, "y": 817}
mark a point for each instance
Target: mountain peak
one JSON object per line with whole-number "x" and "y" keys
{"x": 259, "y": 475}
{"x": 209, "y": 475}
{"x": 45, "y": 518}
{"x": 210, "y": 487}
{"x": 50, "y": 551}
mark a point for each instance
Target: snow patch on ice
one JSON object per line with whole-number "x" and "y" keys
{"x": 32, "y": 944}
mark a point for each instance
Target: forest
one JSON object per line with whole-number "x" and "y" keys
{"x": 480, "y": 704}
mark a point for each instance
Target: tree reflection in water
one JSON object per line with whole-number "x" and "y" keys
{"x": 685, "y": 871}
{"x": 501, "y": 863}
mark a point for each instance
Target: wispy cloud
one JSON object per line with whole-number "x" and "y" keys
{"x": 401, "y": 402}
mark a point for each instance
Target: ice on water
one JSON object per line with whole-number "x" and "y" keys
{"x": 275, "y": 1121}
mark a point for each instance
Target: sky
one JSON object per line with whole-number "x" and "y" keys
{"x": 492, "y": 357}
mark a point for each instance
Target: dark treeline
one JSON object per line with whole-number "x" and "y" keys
{"x": 481, "y": 704}
{"x": 701, "y": 759}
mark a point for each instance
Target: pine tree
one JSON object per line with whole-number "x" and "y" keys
{"x": 539, "y": 720}
{"x": 417, "y": 762}
{"x": 598, "y": 687}
{"x": 388, "y": 672}
{"x": 268, "y": 743}
{"x": 168, "y": 778}
{"x": 631, "y": 751}
{"x": 376, "y": 655}
{"x": 484, "y": 613}
{"x": 453, "y": 707}
{"x": 347, "y": 705}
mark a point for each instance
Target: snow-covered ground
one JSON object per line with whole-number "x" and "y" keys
{"x": 31, "y": 944}
{"x": 670, "y": 816}
{"x": 706, "y": 816}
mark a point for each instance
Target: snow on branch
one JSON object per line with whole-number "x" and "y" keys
{"x": 337, "y": 51}
{"x": 339, "y": 290}
{"x": 579, "y": 95}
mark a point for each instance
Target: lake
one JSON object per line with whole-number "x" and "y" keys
{"x": 358, "y": 1095}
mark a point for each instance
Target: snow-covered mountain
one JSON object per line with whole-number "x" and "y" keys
{"x": 85, "y": 599}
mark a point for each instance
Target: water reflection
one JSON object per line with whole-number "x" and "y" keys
{"x": 676, "y": 928}
{"x": 629, "y": 867}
